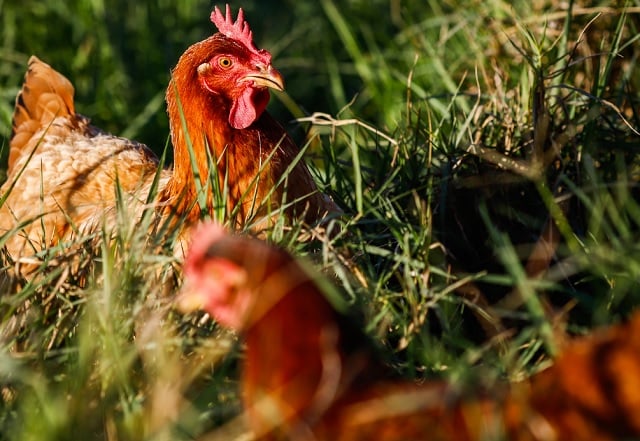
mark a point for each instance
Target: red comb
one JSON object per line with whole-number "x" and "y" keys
{"x": 238, "y": 30}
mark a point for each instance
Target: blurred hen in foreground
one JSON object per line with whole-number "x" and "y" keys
{"x": 309, "y": 373}
{"x": 63, "y": 172}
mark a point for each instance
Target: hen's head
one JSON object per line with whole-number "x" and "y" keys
{"x": 229, "y": 65}
{"x": 236, "y": 279}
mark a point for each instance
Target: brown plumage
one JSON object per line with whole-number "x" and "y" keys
{"x": 62, "y": 171}
{"x": 310, "y": 374}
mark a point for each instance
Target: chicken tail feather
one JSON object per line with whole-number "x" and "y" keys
{"x": 45, "y": 95}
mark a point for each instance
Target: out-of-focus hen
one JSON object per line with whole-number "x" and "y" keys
{"x": 62, "y": 171}
{"x": 310, "y": 374}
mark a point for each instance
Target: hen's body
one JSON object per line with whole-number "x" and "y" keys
{"x": 309, "y": 374}
{"x": 63, "y": 172}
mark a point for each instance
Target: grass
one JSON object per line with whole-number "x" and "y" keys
{"x": 462, "y": 140}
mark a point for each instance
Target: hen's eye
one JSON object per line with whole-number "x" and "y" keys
{"x": 225, "y": 62}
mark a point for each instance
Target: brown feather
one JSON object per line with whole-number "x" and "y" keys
{"x": 310, "y": 374}
{"x": 63, "y": 172}
{"x": 241, "y": 154}
{"x": 45, "y": 95}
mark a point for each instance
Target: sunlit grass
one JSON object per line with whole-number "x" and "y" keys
{"x": 458, "y": 140}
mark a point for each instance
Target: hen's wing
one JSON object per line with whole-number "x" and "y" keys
{"x": 62, "y": 171}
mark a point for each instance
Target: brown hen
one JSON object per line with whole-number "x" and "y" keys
{"x": 310, "y": 374}
{"x": 63, "y": 172}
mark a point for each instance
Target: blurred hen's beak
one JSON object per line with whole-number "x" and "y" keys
{"x": 267, "y": 77}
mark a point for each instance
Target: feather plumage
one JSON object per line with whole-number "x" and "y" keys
{"x": 63, "y": 171}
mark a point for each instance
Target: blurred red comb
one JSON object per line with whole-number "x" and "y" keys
{"x": 238, "y": 30}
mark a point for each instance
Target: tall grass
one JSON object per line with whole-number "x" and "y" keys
{"x": 486, "y": 157}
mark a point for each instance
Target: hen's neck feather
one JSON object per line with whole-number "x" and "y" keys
{"x": 202, "y": 118}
